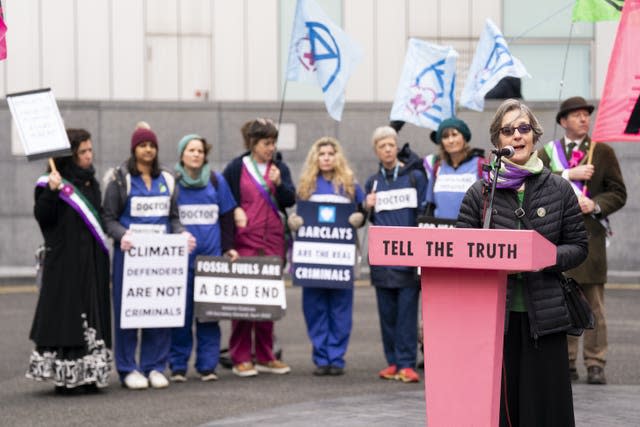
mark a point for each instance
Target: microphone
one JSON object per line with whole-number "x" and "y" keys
{"x": 507, "y": 152}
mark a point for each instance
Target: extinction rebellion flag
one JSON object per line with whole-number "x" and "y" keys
{"x": 618, "y": 118}
{"x": 3, "y": 35}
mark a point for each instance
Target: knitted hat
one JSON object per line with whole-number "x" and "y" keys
{"x": 451, "y": 122}
{"x": 182, "y": 144}
{"x": 573, "y": 104}
{"x": 141, "y": 135}
{"x": 397, "y": 125}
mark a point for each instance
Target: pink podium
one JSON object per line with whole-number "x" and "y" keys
{"x": 464, "y": 281}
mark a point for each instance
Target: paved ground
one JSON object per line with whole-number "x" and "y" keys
{"x": 356, "y": 399}
{"x": 405, "y": 408}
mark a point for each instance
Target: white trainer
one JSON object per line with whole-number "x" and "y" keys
{"x": 135, "y": 381}
{"x": 210, "y": 376}
{"x": 158, "y": 380}
{"x": 178, "y": 377}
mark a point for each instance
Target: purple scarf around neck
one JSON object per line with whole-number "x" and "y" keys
{"x": 512, "y": 175}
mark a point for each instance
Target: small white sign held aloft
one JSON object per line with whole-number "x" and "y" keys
{"x": 154, "y": 283}
{"x": 38, "y": 122}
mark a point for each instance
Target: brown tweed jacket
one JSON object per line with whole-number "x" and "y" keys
{"x": 607, "y": 189}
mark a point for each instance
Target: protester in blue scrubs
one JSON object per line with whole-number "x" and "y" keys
{"x": 452, "y": 170}
{"x": 396, "y": 197}
{"x": 140, "y": 198}
{"x": 206, "y": 207}
{"x": 327, "y": 177}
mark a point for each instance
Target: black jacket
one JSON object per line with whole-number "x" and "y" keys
{"x": 552, "y": 209}
{"x": 75, "y": 278}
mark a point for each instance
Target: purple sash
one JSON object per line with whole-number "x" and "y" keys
{"x": 575, "y": 160}
{"x": 263, "y": 190}
{"x": 76, "y": 200}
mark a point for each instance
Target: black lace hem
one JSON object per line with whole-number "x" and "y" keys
{"x": 92, "y": 368}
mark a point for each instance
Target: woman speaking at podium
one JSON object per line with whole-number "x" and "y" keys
{"x": 536, "y": 389}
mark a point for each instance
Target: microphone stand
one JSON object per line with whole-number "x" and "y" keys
{"x": 494, "y": 183}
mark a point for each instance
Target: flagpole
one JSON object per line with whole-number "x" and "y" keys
{"x": 284, "y": 93}
{"x": 564, "y": 70}
{"x": 589, "y": 158}
{"x": 536, "y": 25}
{"x": 564, "y": 64}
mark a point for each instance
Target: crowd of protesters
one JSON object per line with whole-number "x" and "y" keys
{"x": 249, "y": 202}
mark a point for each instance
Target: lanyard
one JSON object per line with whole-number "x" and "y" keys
{"x": 263, "y": 183}
{"x": 259, "y": 175}
{"x": 383, "y": 171}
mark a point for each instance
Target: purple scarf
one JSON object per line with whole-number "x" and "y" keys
{"x": 512, "y": 175}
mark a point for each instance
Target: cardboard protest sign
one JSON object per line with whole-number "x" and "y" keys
{"x": 426, "y": 221}
{"x": 37, "y": 119}
{"x": 154, "y": 282}
{"x": 324, "y": 251}
{"x": 251, "y": 288}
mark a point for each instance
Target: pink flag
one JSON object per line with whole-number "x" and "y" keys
{"x": 618, "y": 117}
{"x": 3, "y": 33}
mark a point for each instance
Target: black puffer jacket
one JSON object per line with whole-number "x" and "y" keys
{"x": 553, "y": 211}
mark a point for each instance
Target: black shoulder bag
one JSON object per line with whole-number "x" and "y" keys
{"x": 580, "y": 312}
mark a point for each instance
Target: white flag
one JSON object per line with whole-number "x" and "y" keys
{"x": 321, "y": 53}
{"x": 425, "y": 94}
{"x": 491, "y": 62}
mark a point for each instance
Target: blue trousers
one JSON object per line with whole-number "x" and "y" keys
{"x": 398, "y": 312}
{"x": 328, "y": 314}
{"x": 207, "y": 339}
{"x": 154, "y": 342}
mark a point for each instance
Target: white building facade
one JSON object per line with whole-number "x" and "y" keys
{"x": 207, "y": 66}
{"x": 236, "y": 50}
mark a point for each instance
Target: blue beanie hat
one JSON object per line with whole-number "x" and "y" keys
{"x": 451, "y": 122}
{"x": 182, "y": 144}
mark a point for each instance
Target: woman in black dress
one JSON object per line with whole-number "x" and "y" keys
{"x": 72, "y": 324}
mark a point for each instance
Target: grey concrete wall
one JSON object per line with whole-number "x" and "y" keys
{"x": 111, "y": 124}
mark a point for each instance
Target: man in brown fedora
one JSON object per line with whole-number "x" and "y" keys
{"x": 601, "y": 191}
